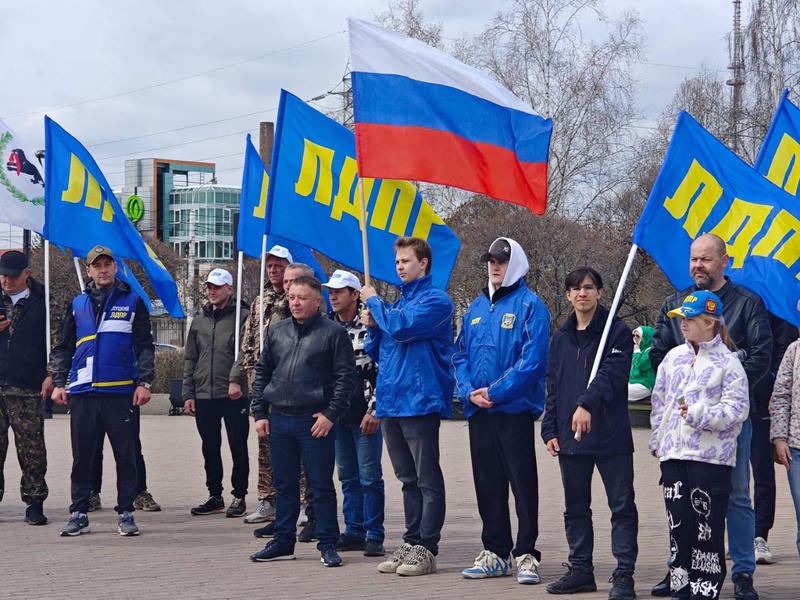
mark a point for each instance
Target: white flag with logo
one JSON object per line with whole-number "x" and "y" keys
{"x": 21, "y": 183}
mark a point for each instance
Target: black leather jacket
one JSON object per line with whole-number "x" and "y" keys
{"x": 304, "y": 369}
{"x": 747, "y": 320}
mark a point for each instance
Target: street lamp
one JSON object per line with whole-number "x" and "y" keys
{"x": 190, "y": 308}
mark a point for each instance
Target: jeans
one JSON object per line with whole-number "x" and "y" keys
{"x": 358, "y": 460}
{"x": 502, "y": 449}
{"x": 616, "y": 472}
{"x": 413, "y": 447}
{"x": 209, "y": 416}
{"x": 763, "y": 471}
{"x": 97, "y": 464}
{"x": 741, "y": 517}
{"x": 290, "y": 442}
{"x": 89, "y": 414}
{"x": 794, "y": 486}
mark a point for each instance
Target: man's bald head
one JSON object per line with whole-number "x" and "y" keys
{"x": 707, "y": 261}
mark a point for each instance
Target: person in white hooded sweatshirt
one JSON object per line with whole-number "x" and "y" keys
{"x": 499, "y": 365}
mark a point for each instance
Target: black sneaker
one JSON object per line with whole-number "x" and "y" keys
{"x": 374, "y": 548}
{"x": 662, "y": 588}
{"x": 209, "y": 507}
{"x": 348, "y": 543}
{"x": 78, "y": 524}
{"x": 573, "y": 582}
{"x": 271, "y": 552}
{"x": 621, "y": 587}
{"x": 743, "y": 587}
{"x": 330, "y": 558}
{"x": 309, "y": 532}
{"x": 35, "y": 515}
{"x": 237, "y": 508}
{"x": 265, "y": 532}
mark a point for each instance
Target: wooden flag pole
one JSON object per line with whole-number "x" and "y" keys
{"x": 364, "y": 242}
{"x": 261, "y": 284}
{"x": 239, "y": 270}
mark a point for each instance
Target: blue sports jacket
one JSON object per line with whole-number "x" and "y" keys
{"x": 412, "y": 345}
{"x": 503, "y": 346}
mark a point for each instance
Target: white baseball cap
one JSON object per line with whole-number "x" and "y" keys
{"x": 280, "y": 252}
{"x": 342, "y": 279}
{"x": 219, "y": 277}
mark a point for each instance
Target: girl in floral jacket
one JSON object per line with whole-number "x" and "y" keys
{"x": 784, "y": 410}
{"x": 699, "y": 403}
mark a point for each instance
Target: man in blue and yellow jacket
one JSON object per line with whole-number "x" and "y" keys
{"x": 106, "y": 358}
{"x": 499, "y": 366}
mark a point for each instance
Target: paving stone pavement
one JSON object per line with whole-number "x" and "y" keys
{"x": 182, "y": 556}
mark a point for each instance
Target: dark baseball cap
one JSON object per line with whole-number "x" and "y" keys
{"x": 500, "y": 250}
{"x": 13, "y": 263}
{"x": 97, "y": 252}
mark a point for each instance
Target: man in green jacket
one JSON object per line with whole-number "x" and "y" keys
{"x": 642, "y": 378}
{"x": 214, "y": 389}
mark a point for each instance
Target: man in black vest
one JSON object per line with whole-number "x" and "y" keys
{"x": 23, "y": 379}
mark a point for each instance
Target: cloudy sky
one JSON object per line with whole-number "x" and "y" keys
{"x": 187, "y": 79}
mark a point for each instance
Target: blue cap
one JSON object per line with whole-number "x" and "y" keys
{"x": 698, "y": 303}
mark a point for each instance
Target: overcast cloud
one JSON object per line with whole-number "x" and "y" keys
{"x": 57, "y": 55}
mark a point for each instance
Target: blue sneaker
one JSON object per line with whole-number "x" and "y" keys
{"x": 488, "y": 564}
{"x": 527, "y": 570}
{"x": 127, "y": 526}
{"x": 78, "y": 524}
{"x": 271, "y": 552}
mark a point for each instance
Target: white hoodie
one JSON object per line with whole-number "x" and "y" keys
{"x": 517, "y": 266}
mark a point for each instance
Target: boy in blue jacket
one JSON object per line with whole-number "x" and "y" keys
{"x": 499, "y": 365}
{"x": 412, "y": 342}
{"x": 586, "y": 425}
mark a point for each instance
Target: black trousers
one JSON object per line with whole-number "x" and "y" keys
{"x": 113, "y": 413}
{"x": 210, "y": 413}
{"x": 503, "y": 455}
{"x": 141, "y": 468}
{"x": 764, "y": 491}
{"x": 696, "y": 497}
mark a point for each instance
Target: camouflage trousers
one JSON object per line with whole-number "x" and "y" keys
{"x": 23, "y": 413}
{"x": 266, "y": 489}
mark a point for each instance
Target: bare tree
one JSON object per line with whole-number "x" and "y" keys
{"x": 539, "y": 51}
{"x": 406, "y": 17}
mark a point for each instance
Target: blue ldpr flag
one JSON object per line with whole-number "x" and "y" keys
{"x": 703, "y": 187}
{"x": 252, "y": 216}
{"x": 81, "y": 211}
{"x": 313, "y": 198}
{"x": 779, "y": 157}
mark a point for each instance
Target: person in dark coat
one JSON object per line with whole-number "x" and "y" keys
{"x": 586, "y": 425}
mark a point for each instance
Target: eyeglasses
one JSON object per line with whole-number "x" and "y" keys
{"x": 585, "y": 288}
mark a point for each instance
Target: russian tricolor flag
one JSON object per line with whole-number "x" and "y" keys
{"x": 420, "y": 114}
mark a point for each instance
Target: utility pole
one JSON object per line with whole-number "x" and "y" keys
{"x": 737, "y": 71}
{"x": 266, "y": 140}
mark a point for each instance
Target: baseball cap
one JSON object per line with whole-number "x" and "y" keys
{"x": 500, "y": 250}
{"x": 698, "y": 303}
{"x": 219, "y": 277}
{"x": 97, "y": 252}
{"x": 280, "y": 252}
{"x": 13, "y": 263}
{"x": 341, "y": 279}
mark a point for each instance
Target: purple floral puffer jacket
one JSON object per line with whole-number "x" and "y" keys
{"x": 714, "y": 387}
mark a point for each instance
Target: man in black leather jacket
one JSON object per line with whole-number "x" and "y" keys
{"x": 304, "y": 381}
{"x": 748, "y": 323}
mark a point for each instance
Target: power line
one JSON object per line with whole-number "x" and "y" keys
{"x": 179, "y": 79}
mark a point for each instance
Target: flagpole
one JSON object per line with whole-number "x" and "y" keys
{"x": 238, "y": 305}
{"x": 47, "y": 297}
{"x": 613, "y": 311}
{"x": 261, "y": 295}
{"x": 364, "y": 243}
{"x": 78, "y": 271}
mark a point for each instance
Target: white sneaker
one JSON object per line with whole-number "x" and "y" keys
{"x": 263, "y": 513}
{"x": 763, "y": 553}
{"x": 419, "y": 561}
{"x": 302, "y": 519}
{"x": 395, "y": 560}
{"x": 527, "y": 569}
{"x": 488, "y": 564}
